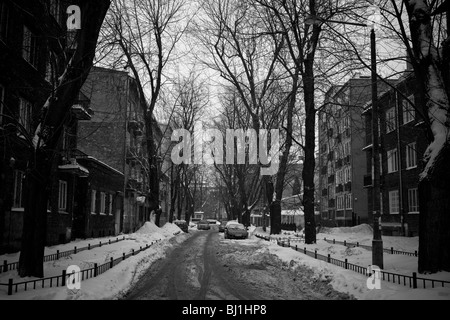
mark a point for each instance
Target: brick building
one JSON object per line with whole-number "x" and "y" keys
{"x": 115, "y": 136}
{"x": 26, "y": 81}
{"x": 402, "y": 144}
{"x": 341, "y": 138}
{"x": 342, "y": 163}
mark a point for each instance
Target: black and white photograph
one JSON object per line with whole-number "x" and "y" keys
{"x": 228, "y": 154}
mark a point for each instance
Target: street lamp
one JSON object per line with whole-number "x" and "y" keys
{"x": 377, "y": 242}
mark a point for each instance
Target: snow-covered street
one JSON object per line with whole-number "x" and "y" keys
{"x": 202, "y": 265}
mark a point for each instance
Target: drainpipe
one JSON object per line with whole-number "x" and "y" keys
{"x": 400, "y": 169}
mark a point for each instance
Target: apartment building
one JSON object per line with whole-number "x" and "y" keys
{"x": 402, "y": 145}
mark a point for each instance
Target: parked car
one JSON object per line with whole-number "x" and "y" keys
{"x": 182, "y": 224}
{"x": 213, "y": 221}
{"x": 222, "y": 226}
{"x": 203, "y": 225}
{"x": 235, "y": 231}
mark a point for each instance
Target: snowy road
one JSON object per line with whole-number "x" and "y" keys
{"x": 207, "y": 267}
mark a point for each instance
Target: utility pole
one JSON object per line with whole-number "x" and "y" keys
{"x": 377, "y": 242}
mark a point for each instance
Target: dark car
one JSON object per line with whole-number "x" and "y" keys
{"x": 182, "y": 225}
{"x": 222, "y": 227}
{"x": 203, "y": 225}
{"x": 235, "y": 231}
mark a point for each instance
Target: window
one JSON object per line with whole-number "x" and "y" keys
{"x": 2, "y": 102}
{"x": 331, "y": 192}
{"x": 347, "y": 148}
{"x": 392, "y": 159}
{"x": 338, "y": 177}
{"x": 413, "y": 200}
{"x": 394, "y": 204}
{"x": 18, "y": 189}
{"x": 4, "y": 21}
{"x": 390, "y": 120}
{"x": 64, "y": 139}
{"x": 348, "y": 201}
{"x": 62, "y": 199}
{"x": 408, "y": 110}
{"x": 55, "y": 9}
{"x": 25, "y": 114}
{"x": 93, "y": 201}
{"x": 102, "y": 202}
{"x": 48, "y": 72}
{"x": 340, "y": 203}
{"x": 411, "y": 155}
{"x": 29, "y": 47}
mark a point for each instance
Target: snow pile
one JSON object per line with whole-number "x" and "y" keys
{"x": 157, "y": 233}
{"x": 361, "y": 229}
{"x": 114, "y": 282}
{"x": 353, "y": 283}
{"x": 171, "y": 228}
{"x": 150, "y": 230}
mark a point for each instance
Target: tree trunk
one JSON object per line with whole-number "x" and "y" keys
{"x": 37, "y": 182}
{"x": 74, "y": 72}
{"x": 433, "y": 232}
{"x": 434, "y": 219}
{"x": 434, "y": 186}
{"x": 309, "y": 162}
{"x": 153, "y": 169}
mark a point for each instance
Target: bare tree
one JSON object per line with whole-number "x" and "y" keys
{"x": 142, "y": 35}
{"x": 70, "y": 69}
{"x": 431, "y": 62}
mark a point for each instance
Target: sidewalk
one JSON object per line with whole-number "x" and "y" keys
{"x": 114, "y": 280}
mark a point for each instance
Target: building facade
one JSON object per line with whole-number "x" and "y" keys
{"x": 115, "y": 136}
{"x": 402, "y": 145}
{"x": 26, "y": 82}
{"x": 341, "y": 162}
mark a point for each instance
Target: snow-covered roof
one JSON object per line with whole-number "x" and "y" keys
{"x": 294, "y": 212}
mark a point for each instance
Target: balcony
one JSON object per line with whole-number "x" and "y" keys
{"x": 331, "y": 203}
{"x": 367, "y": 181}
{"x": 347, "y": 132}
{"x": 348, "y": 186}
{"x": 330, "y": 156}
{"x": 133, "y": 153}
{"x": 331, "y": 179}
{"x": 135, "y": 127}
{"x": 81, "y": 107}
{"x": 330, "y": 132}
{"x": 132, "y": 184}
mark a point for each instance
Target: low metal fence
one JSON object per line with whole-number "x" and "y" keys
{"x": 56, "y": 256}
{"x": 412, "y": 281}
{"x": 61, "y": 280}
{"x": 300, "y": 237}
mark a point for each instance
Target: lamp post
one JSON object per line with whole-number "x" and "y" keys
{"x": 377, "y": 242}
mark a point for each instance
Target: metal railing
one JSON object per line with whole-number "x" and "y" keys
{"x": 56, "y": 256}
{"x": 412, "y": 281}
{"x": 59, "y": 281}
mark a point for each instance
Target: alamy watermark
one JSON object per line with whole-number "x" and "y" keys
{"x": 74, "y": 280}
{"x": 74, "y": 19}
{"x": 207, "y": 146}
{"x": 374, "y": 280}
